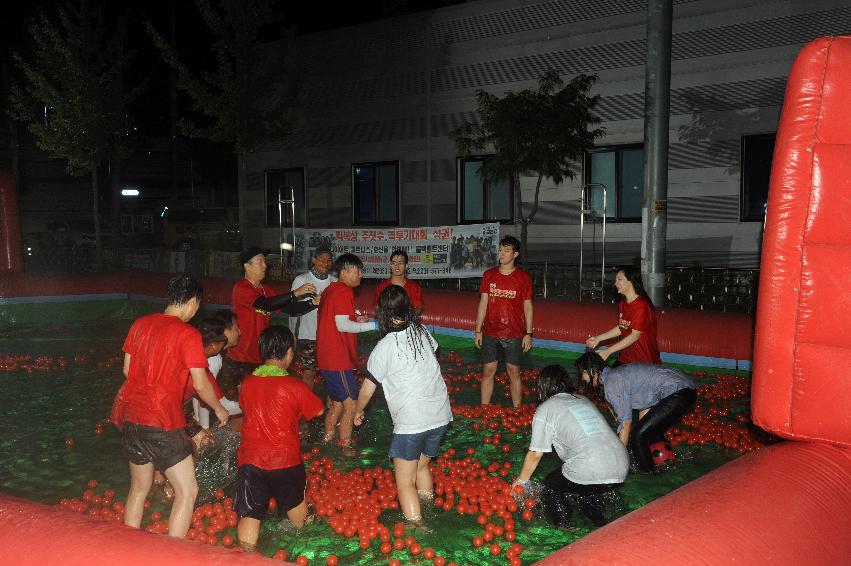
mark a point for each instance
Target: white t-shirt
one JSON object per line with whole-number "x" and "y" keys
{"x": 591, "y": 451}
{"x": 413, "y": 385}
{"x": 307, "y": 322}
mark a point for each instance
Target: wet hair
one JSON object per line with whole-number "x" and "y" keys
{"x": 226, "y": 316}
{"x": 401, "y": 253}
{"x": 275, "y": 342}
{"x": 591, "y": 362}
{"x": 396, "y": 313}
{"x": 555, "y": 379}
{"x": 182, "y": 289}
{"x": 347, "y": 261}
{"x": 212, "y": 329}
{"x": 634, "y": 276}
{"x": 510, "y": 241}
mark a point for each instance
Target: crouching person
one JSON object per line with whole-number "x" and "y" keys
{"x": 594, "y": 462}
{"x": 269, "y": 456}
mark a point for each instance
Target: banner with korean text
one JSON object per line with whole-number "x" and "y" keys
{"x": 434, "y": 252}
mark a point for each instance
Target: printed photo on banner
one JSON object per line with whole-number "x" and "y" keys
{"x": 434, "y": 252}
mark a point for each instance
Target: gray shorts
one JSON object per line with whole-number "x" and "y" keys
{"x": 511, "y": 348}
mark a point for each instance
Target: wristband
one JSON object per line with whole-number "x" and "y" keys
{"x": 477, "y": 332}
{"x": 529, "y": 334}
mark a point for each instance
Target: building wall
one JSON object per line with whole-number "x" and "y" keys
{"x": 392, "y": 90}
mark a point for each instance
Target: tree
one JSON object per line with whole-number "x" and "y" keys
{"x": 247, "y": 99}
{"x": 76, "y": 74}
{"x": 541, "y": 132}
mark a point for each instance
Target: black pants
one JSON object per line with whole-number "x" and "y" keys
{"x": 655, "y": 423}
{"x": 601, "y": 503}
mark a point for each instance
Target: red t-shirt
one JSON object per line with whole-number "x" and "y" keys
{"x": 335, "y": 350}
{"x": 190, "y": 388}
{"x": 639, "y": 315}
{"x": 252, "y": 321}
{"x": 505, "y": 317}
{"x": 273, "y": 403}
{"x": 162, "y": 349}
{"x": 411, "y": 287}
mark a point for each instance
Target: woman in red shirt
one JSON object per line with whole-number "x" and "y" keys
{"x": 636, "y": 327}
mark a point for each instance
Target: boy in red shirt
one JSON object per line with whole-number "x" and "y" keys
{"x": 269, "y": 456}
{"x": 161, "y": 352}
{"x": 399, "y": 276}
{"x": 504, "y": 319}
{"x": 337, "y": 348}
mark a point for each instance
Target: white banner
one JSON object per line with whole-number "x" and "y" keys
{"x": 434, "y": 252}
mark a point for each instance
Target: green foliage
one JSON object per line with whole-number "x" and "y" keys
{"x": 76, "y": 73}
{"x": 246, "y": 100}
{"x": 540, "y": 132}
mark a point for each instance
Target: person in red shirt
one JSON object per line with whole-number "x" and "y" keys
{"x": 161, "y": 352}
{"x": 337, "y": 348}
{"x": 504, "y": 319}
{"x": 269, "y": 456}
{"x": 399, "y": 276}
{"x": 253, "y": 304}
{"x": 636, "y": 327}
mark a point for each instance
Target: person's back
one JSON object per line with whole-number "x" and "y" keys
{"x": 405, "y": 365}
{"x": 589, "y": 449}
{"x": 273, "y": 403}
{"x": 640, "y": 385}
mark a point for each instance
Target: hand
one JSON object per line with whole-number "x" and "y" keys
{"x": 304, "y": 289}
{"x": 605, "y": 353}
{"x": 317, "y": 299}
{"x": 222, "y": 415}
{"x": 527, "y": 343}
{"x": 477, "y": 340}
{"x": 523, "y": 484}
{"x": 362, "y": 318}
{"x": 359, "y": 417}
{"x": 592, "y": 342}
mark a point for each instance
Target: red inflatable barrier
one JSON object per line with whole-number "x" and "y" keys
{"x": 35, "y": 534}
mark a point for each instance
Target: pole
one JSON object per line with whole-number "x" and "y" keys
{"x": 657, "y": 103}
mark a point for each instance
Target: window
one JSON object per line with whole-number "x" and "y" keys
{"x": 483, "y": 201}
{"x": 375, "y": 192}
{"x": 621, "y": 170}
{"x": 756, "y": 170}
{"x": 277, "y": 179}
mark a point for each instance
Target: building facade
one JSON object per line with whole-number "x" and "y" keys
{"x": 372, "y": 148}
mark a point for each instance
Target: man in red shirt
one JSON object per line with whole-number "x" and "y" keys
{"x": 161, "y": 352}
{"x": 399, "y": 276}
{"x": 504, "y": 319}
{"x": 253, "y": 304}
{"x": 337, "y": 348}
{"x": 269, "y": 456}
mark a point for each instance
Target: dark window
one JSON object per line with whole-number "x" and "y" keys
{"x": 375, "y": 192}
{"x": 621, "y": 170}
{"x": 756, "y": 170}
{"x": 483, "y": 201}
{"x": 277, "y": 179}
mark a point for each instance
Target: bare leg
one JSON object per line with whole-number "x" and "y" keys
{"x": 488, "y": 373}
{"x": 298, "y": 514}
{"x": 141, "y": 478}
{"x": 247, "y": 533}
{"x": 332, "y": 418}
{"x": 347, "y": 421}
{"x": 307, "y": 376}
{"x": 406, "y": 475}
{"x": 425, "y": 485}
{"x": 516, "y": 384}
{"x": 182, "y": 479}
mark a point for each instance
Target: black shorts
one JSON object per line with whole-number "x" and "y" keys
{"x": 147, "y": 444}
{"x": 254, "y": 487}
{"x": 511, "y": 348}
{"x": 232, "y": 375}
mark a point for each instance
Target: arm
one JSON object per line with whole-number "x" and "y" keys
{"x": 206, "y": 393}
{"x": 126, "y": 368}
{"x": 624, "y": 432}
{"x": 367, "y": 389}
{"x": 530, "y": 464}
{"x": 345, "y": 324}
{"x": 594, "y": 341}
{"x": 622, "y": 344}
{"x": 527, "y": 315}
{"x": 480, "y": 320}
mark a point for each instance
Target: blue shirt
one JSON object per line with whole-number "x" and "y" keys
{"x": 640, "y": 386}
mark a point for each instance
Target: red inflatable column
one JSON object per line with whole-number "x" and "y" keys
{"x": 10, "y": 226}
